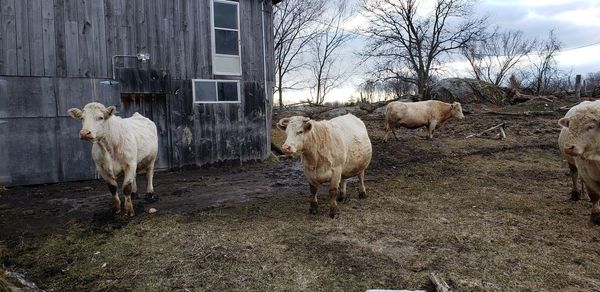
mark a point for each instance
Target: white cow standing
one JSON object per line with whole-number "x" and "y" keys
{"x": 332, "y": 151}
{"x": 119, "y": 146}
{"x": 580, "y": 138}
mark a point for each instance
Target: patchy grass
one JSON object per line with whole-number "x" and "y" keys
{"x": 484, "y": 214}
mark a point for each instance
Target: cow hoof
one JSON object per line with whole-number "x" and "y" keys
{"x": 596, "y": 218}
{"x": 314, "y": 208}
{"x": 115, "y": 211}
{"x": 333, "y": 211}
{"x": 362, "y": 195}
{"x": 341, "y": 197}
{"x": 134, "y": 195}
{"x": 575, "y": 196}
{"x": 151, "y": 198}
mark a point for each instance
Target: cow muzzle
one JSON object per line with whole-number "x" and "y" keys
{"x": 573, "y": 150}
{"x": 86, "y": 135}
{"x": 288, "y": 150}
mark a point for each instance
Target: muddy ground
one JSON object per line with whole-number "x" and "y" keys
{"x": 485, "y": 214}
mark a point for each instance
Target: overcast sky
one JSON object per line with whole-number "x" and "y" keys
{"x": 576, "y": 24}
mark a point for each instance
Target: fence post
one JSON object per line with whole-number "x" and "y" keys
{"x": 578, "y": 86}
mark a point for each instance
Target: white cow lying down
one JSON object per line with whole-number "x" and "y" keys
{"x": 119, "y": 146}
{"x": 332, "y": 151}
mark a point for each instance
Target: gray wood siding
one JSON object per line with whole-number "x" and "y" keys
{"x": 77, "y": 38}
{"x": 56, "y": 54}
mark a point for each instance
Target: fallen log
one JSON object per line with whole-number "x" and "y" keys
{"x": 525, "y": 113}
{"x": 501, "y": 134}
{"x": 439, "y": 284}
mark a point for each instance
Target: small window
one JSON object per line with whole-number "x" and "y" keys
{"x": 226, "y": 38}
{"x": 214, "y": 91}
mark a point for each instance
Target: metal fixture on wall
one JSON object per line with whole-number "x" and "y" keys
{"x": 144, "y": 57}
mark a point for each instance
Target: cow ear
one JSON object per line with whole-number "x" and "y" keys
{"x": 74, "y": 113}
{"x": 307, "y": 125}
{"x": 111, "y": 110}
{"x": 283, "y": 123}
{"x": 564, "y": 122}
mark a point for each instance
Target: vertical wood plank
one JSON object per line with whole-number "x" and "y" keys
{"x": 179, "y": 43}
{"x": 93, "y": 42}
{"x": 187, "y": 14}
{"x": 59, "y": 39}
{"x": 8, "y": 31}
{"x": 49, "y": 38}
{"x": 84, "y": 26}
{"x": 35, "y": 35}
{"x": 103, "y": 56}
{"x": 141, "y": 31}
{"x": 151, "y": 26}
{"x": 72, "y": 48}
{"x": 23, "y": 54}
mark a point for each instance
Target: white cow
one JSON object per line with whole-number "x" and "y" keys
{"x": 562, "y": 141}
{"x": 119, "y": 146}
{"x": 581, "y": 140}
{"x": 412, "y": 115}
{"x": 332, "y": 151}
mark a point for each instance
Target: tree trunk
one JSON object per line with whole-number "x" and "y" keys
{"x": 279, "y": 91}
{"x": 578, "y": 87}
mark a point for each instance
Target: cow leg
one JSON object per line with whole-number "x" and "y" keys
{"x": 134, "y": 193}
{"x": 395, "y": 134}
{"x": 575, "y": 194}
{"x": 334, "y": 185}
{"x": 341, "y": 196}
{"x": 387, "y": 131}
{"x": 431, "y": 128}
{"x": 150, "y": 197}
{"x": 314, "y": 205}
{"x": 127, "y": 188}
{"x": 362, "y": 194}
{"x": 594, "y": 198}
{"x": 112, "y": 187}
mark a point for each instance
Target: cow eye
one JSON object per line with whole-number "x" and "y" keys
{"x": 299, "y": 132}
{"x": 100, "y": 118}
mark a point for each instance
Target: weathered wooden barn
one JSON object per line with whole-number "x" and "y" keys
{"x": 202, "y": 70}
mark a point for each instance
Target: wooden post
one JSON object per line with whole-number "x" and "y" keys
{"x": 578, "y": 86}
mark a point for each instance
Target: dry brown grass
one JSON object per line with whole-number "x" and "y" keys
{"x": 486, "y": 215}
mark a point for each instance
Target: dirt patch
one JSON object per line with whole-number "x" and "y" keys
{"x": 484, "y": 214}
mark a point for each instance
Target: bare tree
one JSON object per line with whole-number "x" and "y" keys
{"x": 368, "y": 91}
{"x": 492, "y": 58}
{"x": 592, "y": 83}
{"x": 294, "y": 28}
{"x": 401, "y": 38}
{"x": 543, "y": 63}
{"x": 324, "y": 50}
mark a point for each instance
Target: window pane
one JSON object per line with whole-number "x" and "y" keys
{"x": 205, "y": 91}
{"x": 225, "y": 15}
{"x": 226, "y": 42}
{"x": 227, "y": 91}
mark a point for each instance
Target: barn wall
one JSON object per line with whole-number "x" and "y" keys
{"x": 56, "y": 54}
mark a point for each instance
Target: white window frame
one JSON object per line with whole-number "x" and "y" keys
{"x": 214, "y": 45}
{"x": 216, "y": 82}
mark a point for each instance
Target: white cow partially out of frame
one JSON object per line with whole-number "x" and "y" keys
{"x": 119, "y": 146}
{"x": 332, "y": 151}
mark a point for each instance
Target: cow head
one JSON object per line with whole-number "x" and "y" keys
{"x": 296, "y": 129}
{"x": 457, "y": 111}
{"x": 93, "y": 118}
{"x": 583, "y": 135}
